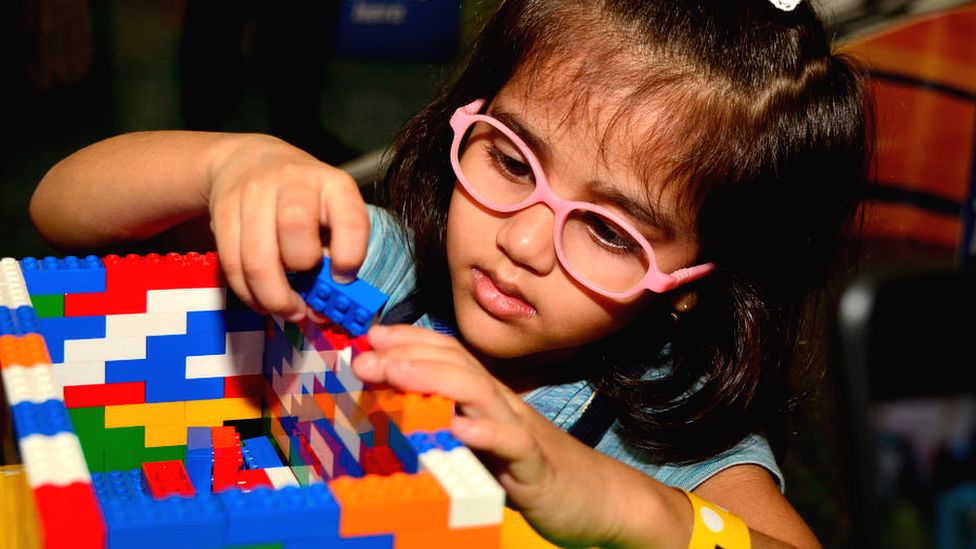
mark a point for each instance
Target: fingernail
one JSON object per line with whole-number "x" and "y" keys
{"x": 343, "y": 278}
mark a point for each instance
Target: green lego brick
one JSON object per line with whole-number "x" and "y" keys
{"x": 118, "y": 448}
{"x": 48, "y": 305}
{"x": 294, "y": 335}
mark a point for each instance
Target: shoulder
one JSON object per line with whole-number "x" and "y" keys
{"x": 753, "y": 450}
{"x": 389, "y": 259}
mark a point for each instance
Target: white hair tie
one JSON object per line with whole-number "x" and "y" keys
{"x": 786, "y": 5}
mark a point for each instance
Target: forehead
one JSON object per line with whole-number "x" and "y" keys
{"x": 611, "y": 131}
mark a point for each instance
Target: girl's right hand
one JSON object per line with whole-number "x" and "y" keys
{"x": 274, "y": 208}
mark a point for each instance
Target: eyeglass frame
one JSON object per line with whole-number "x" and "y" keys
{"x": 654, "y": 279}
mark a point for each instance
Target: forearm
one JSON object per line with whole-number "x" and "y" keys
{"x": 128, "y": 187}
{"x": 656, "y": 515}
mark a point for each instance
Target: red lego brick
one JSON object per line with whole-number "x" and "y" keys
{"x": 172, "y": 271}
{"x": 228, "y": 457}
{"x": 380, "y": 460}
{"x": 83, "y": 396}
{"x": 225, "y": 437}
{"x": 166, "y": 478}
{"x": 125, "y": 291}
{"x": 244, "y": 386}
{"x": 249, "y": 479}
{"x": 70, "y": 516}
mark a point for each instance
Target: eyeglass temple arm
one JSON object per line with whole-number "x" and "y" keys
{"x": 689, "y": 274}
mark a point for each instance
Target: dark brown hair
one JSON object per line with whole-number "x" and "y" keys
{"x": 767, "y": 135}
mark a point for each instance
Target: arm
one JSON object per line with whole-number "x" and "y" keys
{"x": 140, "y": 185}
{"x": 570, "y": 493}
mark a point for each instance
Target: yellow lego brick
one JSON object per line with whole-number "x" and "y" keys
{"x": 518, "y": 534}
{"x": 165, "y": 435}
{"x": 17, "y": 510}
{"x": 202, "y": 413}
{"x": 145, "y": 414}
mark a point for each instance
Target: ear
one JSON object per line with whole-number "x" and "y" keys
{"x": 684, "y": 301}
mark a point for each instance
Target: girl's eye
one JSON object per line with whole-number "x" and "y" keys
{"x": 512, "y": 168}
{"x": 610, "y": 236}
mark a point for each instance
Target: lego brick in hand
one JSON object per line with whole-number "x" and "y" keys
{"x": 351, "y": 306}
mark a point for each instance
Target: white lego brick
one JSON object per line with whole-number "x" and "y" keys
{"x": 281, "y": 477}
{"x": 310, "y": 361}
{"x": 54, "y": 460}
{"x": 13, "y": 288}
{"x": 79, "y": 373}
{"x": 344, "y": 372}
{"x": 104, "y": 349}
{"x": 30, "y": 384}
{"x": 279, "y": 322}
{"x": 347, "y": 433}
{"x": 322, "y": 451}
{"x": 245, "y": 351}
{"x": 145, "y": 324}
{"x": 186, "y": 300}
{"x": 476, "y": 497}
{"x": 246, "y": 342}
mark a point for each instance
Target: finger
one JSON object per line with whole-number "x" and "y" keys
{"x": 298, "y": 227}
{"x": 386, "y": 337}
{"x": 510, "y": 442}
{"x": 344, "y": 213}
{"x": 225, "y": 223}
{"x": 260, "y": 256}
{"x": 476, "y": 393}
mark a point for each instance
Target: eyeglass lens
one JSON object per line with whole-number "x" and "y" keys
{"x": 594, "y": 247}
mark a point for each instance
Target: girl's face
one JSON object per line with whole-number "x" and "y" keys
{"x": 512, "y": 297}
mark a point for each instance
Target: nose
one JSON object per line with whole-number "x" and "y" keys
{"x": 526, "y": 238}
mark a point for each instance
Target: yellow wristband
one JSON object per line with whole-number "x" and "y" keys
{"x": 716, "y": 527}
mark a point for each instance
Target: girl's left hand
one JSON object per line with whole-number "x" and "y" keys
{"x": 553, "y": 479}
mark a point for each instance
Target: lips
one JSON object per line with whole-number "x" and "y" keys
{"x": 503, "y": 304}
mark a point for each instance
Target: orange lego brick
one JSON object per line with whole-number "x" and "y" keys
{"x": 27, "y": 350}
{"x": 426, "y": 413}
{"x": 481, "y": 537}
{"x": 395, "y": 503}
{"x": 412, "y": 412}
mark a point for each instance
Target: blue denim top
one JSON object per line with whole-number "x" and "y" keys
{"x": 389, "y": 267}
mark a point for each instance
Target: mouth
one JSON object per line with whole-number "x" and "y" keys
{"x": 505, "y": 304}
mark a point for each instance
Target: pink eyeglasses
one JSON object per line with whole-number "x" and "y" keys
{"x": 597, "y": 247}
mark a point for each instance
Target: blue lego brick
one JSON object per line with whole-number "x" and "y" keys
{"x": 199, "y": 438}
{"x": 68, "y": 275}
{"x": 199, "y": 467}
{"x": 58, "y": 329}
{"x": 165, "y": 378}
{"x": 134, "y": 519}
{"x": 438, "y": 440}
{"x": 382, "y": 541}
{"x": 192, "y": 343}
{"x": 233, "y": 320}
{"x": 186, "y": 389}
{"x": 402, "y": 449}
{"x": 259, "y": 453}
{"x": 293, "y": 513}
{"x": 351, "y": 306}
{"x": 18, "y": 322}
{"x": 47, "y": 418}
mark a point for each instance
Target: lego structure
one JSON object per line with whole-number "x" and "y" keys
{"x": 153, "y": 410}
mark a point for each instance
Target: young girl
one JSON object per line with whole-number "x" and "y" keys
{"x": 618, "y": 206}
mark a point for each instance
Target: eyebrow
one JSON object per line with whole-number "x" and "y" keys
{"x": 514, "y": 123}
{"x": 640, "y": 210}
